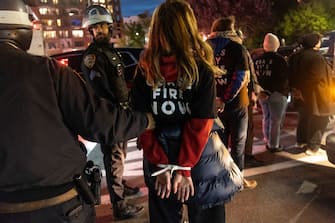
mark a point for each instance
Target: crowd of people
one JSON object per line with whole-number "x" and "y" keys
{"x": 186, "y": 91}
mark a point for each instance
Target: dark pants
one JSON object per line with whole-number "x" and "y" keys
{"x": 316, "y": 126}
{"x": 170, "y": 210}
{"x": 234, "y": 135}
{"x": 310, "y": 128}
{"x": 114, "y": 156}
{"x": 302, "y": 125}
{"x": 72, "y": 211}
{"x": 216, "y": 214}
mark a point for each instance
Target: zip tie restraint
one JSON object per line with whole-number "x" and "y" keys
{"x": 170, "y": 167}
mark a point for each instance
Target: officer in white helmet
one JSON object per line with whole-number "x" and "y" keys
{"x": 44, "y": 107}
{"x": 104, "y": 70}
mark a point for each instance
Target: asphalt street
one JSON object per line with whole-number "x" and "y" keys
{"x": 292, "y": 187}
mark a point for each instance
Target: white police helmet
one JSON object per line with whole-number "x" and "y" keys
{"x": 95, "y": 14}
{"x": 15, "y": 25}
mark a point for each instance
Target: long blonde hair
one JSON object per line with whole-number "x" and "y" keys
{"x": 174, "y": 31}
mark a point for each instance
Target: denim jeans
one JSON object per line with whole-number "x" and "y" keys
{"x": 235, "y": 121}
{"x": 273, "y": 108}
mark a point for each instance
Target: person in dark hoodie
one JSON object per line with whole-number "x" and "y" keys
{"x": 272, "y": 74}
{"x": 175, "y": 81}
{"x": 311, "y": 79}
{"x": 232, "y": 88}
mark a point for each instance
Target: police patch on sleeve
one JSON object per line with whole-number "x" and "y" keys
{"x": 89, "y": 60}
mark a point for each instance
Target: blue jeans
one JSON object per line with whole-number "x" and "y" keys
{"x": 235, "y": 121}
{"x": 274, "y": 108}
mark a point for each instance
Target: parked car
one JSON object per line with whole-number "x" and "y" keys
{"x": 130, "y": 57}
{"x": 327, "y": 46}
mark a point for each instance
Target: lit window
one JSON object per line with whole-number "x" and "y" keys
{"x": 78, "y": 33}
{"x": 110, "y": 8}
{"x": 99, "y": 1}
{"x": 50, "y": 22}
{"x": 44, "y": 1}
{"x": 55, "y": 1}
{"x": 49, "y": 34}
{"x": 59, "y": 22}
{"x": 43, "y": 11}
{"x": 64, "y": 34}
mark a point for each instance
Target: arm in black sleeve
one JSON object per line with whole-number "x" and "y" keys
{"x": 93, "y": 118}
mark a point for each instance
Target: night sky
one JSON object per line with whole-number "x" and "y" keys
{"x": 135, "y": 7}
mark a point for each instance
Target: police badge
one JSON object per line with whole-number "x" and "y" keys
{"x": 89, "y": 60}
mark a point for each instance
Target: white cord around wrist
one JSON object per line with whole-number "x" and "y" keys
{"x": 169, "y": 167}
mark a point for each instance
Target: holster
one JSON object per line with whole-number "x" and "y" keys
{"x": 83, "y": 189}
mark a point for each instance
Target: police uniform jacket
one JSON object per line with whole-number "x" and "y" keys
{"x": 44, "y": 106}
{"x": 103, "y": 68}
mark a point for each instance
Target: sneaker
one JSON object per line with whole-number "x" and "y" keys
{"x": 249, "y": 184}
{"x": 123, "y": 210}
{"x": 129, "y": 191}
{"x": 274, "y": 149}
{"x": 311, "y": 152}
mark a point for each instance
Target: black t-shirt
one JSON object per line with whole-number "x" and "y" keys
{"x": 171, "y": 105}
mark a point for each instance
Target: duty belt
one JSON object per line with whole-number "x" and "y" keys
{"x": 7, "y": 208}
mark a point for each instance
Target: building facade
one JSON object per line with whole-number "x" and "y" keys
{"x": 60, "y": 23}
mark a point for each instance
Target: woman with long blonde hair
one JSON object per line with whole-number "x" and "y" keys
{"x": 175, "y": 82}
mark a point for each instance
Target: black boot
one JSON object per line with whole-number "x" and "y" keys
{"x": 123, "y": 210}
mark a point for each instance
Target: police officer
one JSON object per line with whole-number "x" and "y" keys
{"x": 104, "y": 70}
{"x": 44, "y": 106}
